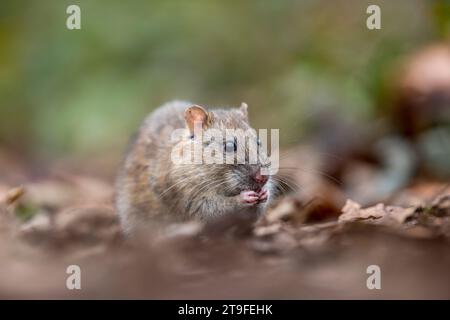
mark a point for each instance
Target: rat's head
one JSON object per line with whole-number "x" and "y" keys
{"x": 226, "y": 151}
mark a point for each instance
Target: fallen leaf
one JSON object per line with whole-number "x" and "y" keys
{"x": 379, "y": 214}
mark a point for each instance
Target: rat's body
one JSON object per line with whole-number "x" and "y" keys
{"x": 150, "y": 185}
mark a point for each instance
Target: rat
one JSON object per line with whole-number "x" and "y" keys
{"x": 150, "y": 185}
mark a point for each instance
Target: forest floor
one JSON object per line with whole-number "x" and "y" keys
{"x": 62, "y": 219}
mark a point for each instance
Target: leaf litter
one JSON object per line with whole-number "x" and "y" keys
{"x": 285, "y": 254}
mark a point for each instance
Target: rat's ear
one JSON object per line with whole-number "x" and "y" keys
{"x": 244, "y": 109}
{"x": 195, "y": 114}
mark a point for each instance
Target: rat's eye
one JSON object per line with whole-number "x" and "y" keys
{"x": 230, "y": 146}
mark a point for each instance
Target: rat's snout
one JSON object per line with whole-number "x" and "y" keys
{"x": 259, "y": 178}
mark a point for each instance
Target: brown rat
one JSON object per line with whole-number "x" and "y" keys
{"x": 151, "y": 185}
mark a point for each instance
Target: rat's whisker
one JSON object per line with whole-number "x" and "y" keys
{"x": 204, "y": 186}
{"x": 313, "y": 172}
{"x": 287, "y": 182}
{"x": 173, "y": 186}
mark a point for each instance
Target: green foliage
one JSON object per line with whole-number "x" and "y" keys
{"x": 25, "y": 211}
{"x": 84, "y": 91}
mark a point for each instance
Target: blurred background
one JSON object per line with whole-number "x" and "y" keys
{"x": 310, "y": 68}
{"x": 363, "y": 115}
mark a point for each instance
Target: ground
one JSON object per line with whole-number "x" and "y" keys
{"x": 61, "y": 220}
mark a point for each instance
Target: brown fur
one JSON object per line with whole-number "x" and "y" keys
{"x": 150, "y": 186}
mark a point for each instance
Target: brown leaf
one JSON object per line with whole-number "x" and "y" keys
{"x": 13, "y": 195}
{"x": 379, "y": 214}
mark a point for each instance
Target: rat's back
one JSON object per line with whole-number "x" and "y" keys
{"x": 146, "y": 164}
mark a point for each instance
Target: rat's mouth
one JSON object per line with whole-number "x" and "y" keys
{"x": 248, "y": 185}
{"x": 258, "y": 187}
{"x": 255, "y": 187}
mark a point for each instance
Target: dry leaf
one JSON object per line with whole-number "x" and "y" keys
{"x": 379, "y": 214}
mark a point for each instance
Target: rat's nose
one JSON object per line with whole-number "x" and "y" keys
{"x": 259, "y": 178}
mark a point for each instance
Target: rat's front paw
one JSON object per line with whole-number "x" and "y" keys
{"x": 249, "y": 197}
{"x": 263, "y": 195}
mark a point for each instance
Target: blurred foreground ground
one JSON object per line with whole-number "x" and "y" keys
{"x": 299, "y": 250}
{"x": 364, "y": 117}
